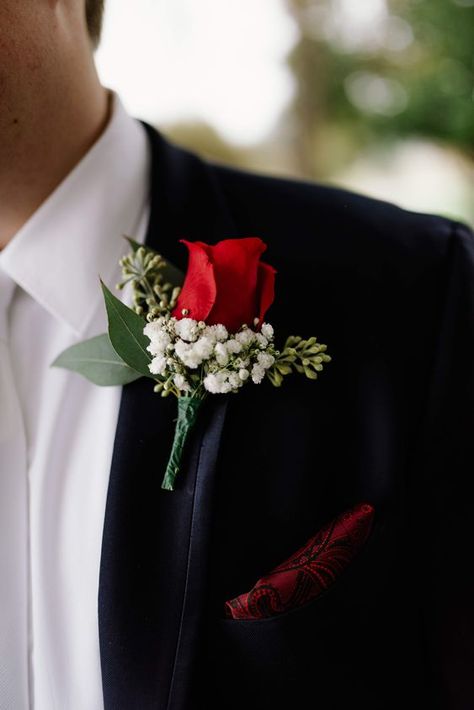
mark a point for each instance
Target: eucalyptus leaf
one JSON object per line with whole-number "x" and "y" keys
{"x": 126, "y": 333}
{"x": 97, "y": 360}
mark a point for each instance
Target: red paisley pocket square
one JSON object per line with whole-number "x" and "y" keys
{"x": 309, "y": 571}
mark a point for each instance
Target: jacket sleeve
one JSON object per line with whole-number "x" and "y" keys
{"x": 443, "y": 471}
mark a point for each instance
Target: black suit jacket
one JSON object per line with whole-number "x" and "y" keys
{"x": 390, "y": 421}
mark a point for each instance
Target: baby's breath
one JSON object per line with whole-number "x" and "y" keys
{"x": 192, "y": 358}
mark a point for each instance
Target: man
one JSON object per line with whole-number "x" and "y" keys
{"x": 112, "y": 590}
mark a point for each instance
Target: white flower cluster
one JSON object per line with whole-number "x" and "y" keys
{"x": 188, "y": 354}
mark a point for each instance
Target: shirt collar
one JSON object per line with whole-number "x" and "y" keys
{"x": 76, "y": 235}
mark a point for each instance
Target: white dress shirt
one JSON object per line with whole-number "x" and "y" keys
{"x": 56, "y": 428}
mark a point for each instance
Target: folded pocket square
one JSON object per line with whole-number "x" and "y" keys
{"x": 309, "y": 571}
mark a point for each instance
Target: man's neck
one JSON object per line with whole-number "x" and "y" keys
{"x": 41, "y": 145}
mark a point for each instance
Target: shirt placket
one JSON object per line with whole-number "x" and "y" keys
{"x": 15, "y": 635}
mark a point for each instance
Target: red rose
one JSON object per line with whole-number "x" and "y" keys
{"x": 226, "y": 283}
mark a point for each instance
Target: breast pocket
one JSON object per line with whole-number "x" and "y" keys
{"x": 273, "y": 661}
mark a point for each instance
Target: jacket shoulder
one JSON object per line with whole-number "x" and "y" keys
{"x": 325, "y": 220}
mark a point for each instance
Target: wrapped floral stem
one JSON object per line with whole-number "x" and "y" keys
{"x": 188, "y": 408}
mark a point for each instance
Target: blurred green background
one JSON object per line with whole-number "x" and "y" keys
{"x": 382, "y": 103}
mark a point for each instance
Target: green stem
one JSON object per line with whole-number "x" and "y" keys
{"x": 149, "y": 290}
{"x": 188, "y": 408}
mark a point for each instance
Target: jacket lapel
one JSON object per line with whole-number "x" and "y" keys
{"x": 155, "y": 542}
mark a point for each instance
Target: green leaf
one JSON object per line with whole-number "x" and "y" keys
{"x": 135, "y": 245}
{"x": 126, "y": 333}
{"x": 96, "y": 360}
{"x": 172, "y": 274}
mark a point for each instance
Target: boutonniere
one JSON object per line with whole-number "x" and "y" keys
{"x": 205, "y": 337}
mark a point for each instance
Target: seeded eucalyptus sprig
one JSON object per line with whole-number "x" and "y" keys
{"x": 305, "y": 356}
{"x": 152, "y": 294}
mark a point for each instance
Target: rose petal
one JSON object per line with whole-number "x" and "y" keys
{"x": 198, "y": 293}
{"x": 235, "y": 269}
{"x": 265, "y": 289}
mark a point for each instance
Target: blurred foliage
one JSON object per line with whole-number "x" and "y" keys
{"x": 383, "y": 94}
{"x": 207, "y": 140}
{"x": 272, "y": 155}
{"x": 410, "y": 74}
